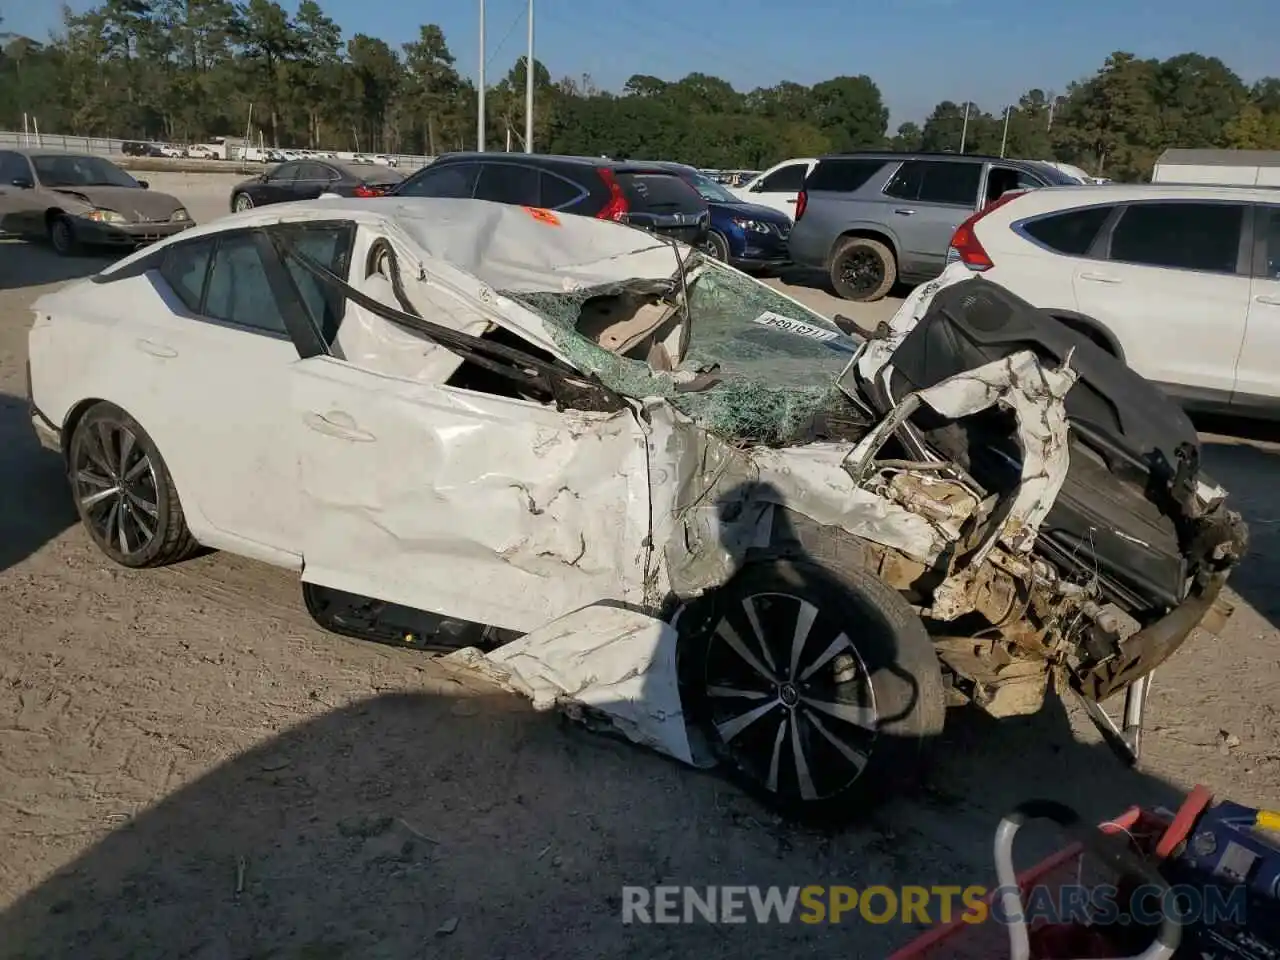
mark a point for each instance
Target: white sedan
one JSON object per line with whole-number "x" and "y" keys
{"x": 654, "y": 480}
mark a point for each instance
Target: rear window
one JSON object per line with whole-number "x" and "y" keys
{"x": 659, "y": 192}
{"x": 842, "y": 175}
{"x": 1072, "y": 232}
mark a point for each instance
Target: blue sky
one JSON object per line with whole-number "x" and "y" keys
{"x": 918, "y": 51}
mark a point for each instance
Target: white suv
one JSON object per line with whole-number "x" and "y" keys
{"x": 1182, "y": 282}
{"x": 779, "y": 186}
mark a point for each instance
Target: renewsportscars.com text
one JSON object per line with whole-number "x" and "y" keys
{"x": 926, "y": 905}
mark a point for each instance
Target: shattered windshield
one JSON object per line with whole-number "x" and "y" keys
{"x": 774, "y": 362}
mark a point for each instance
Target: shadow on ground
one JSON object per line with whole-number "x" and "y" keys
{"x": 451, "y": 822}
{"x": 24, "y": 264}
{"x": 38, "y": 500}
{"x": 372, "y": 830}
{"x": 1244, "y": 457}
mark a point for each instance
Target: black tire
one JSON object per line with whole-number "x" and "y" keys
{"x": 241, "y": 202}
{"x": 112, "y": 458}
{"x": 862, "y": 269}
{"x": 62, "y": 235}
{"x": 718, "y": 246}
{"x": 887, "y": 677}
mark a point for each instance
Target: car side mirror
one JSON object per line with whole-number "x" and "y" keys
{"x": 756, "y": 187}
{"x": 145, "y": 185}
{"x": 23, "y": 183}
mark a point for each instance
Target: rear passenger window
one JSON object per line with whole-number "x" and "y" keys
{"x": 508, "y": 183}
{"x": 660, "y": 193}
{"x": 238, "y": 288}
{"x": 936, "y": 181}
{"x": 843, "y": 176}
{"x": 557, "y": 191}
{"x": 451, "y": 180}
{"x": 1071, "y": 233}
{"x": 784, "y": 180}
{"x": 1186, "y": 236}
{"x": 330, "y": 247}
{"x": 1271, "y": 263}
{"x": 184, "y": 268}
{"x": 13, "y": 166}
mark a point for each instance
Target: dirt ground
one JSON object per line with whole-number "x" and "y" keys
{"x": 189, "y": 768}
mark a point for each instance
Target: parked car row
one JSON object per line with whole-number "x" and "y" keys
{"x": 308, "y": 179}
{"x": 76, "y": 199}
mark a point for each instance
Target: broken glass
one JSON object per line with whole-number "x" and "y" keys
{"x": 776, "y": 361}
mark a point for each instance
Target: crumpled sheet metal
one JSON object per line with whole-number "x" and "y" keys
{"x": 614, "y": 662}
{"x": 712, "y": 501}
{"x": 1035, "y": 393}
{"x": 557, "y": 519}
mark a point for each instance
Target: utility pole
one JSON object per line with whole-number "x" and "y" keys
{"x": 528, "y": 88}
{"x": 480, "y": 91}
{"x": 1004, "y": 138}
{"x": 964, "y": 130}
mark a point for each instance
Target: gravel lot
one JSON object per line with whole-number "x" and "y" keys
{"x": 188, "y": 768}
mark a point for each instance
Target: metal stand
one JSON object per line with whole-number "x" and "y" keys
{"x": 1126, "y": 738}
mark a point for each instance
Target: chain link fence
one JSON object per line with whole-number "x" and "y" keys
{"x": 111, "y": 147}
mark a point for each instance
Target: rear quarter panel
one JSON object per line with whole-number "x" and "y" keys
{"x": 1038, "y": 275}
{"x": 829, "y": 216}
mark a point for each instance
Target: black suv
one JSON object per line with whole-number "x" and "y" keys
{"x": 643, "y": 195}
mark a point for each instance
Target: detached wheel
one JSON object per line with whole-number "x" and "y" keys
{"x": 124, "y": 494}
{"x": 818, "y": 693}
{"x": 863, "y": 270}
{"x": 241, "y": 203}
{"x": 62, "y": 236}
{"x": 718, "y": 246}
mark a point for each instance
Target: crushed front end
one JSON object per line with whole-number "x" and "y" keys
{"x": 1122, "y": 554}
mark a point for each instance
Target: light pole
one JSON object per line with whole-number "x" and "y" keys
{"x": 964, "y": 130}
{"x": 480, "y": 82}
{"x": 528, "y": 88}
{"x": 1004, "y": 138}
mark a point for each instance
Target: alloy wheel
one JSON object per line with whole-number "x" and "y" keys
{"x": 60, "y": 235}
{"x": 243, "y": 202}
{"x": 789, "y": 696}
{"x": 115, "y": 485}
{"x": 862, "y": 270}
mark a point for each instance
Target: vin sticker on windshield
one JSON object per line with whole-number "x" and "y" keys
{"x": 798, "y": 327}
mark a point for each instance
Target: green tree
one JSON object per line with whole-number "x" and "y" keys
{"x": 850, "y": 112}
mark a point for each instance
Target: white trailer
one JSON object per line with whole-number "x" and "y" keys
{"x": 1230, "y": 168}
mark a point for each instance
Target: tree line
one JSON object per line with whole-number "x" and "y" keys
{"x": 187, "y": 70}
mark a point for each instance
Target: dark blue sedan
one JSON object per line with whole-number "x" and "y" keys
{"x": 745, "y": 235}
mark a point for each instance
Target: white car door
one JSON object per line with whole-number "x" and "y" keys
{"x": 214, "y": 354}
{"x": 1172, "y": 285}
{"x": 463, "y": 503}
{"x": 779, "y": 187}
{"x": 1258, "y": 372}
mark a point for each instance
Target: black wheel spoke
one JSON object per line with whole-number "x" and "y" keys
{"x": 730, "y": 728}
{"x": 735, "y": 643}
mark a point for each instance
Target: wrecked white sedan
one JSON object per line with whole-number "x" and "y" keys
{"x": 634, "y": 483}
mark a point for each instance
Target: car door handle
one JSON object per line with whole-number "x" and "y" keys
{"x": 1270, "y": 301}
{"x": 903, "y": 212}
{"x": 1099, "y": 278}
{"x": 156, "y": 349}
{"x": 337, "y": 424}
{"x": 790, "y": 201}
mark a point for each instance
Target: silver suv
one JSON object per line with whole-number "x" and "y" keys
{"x": 872, "y": 219}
